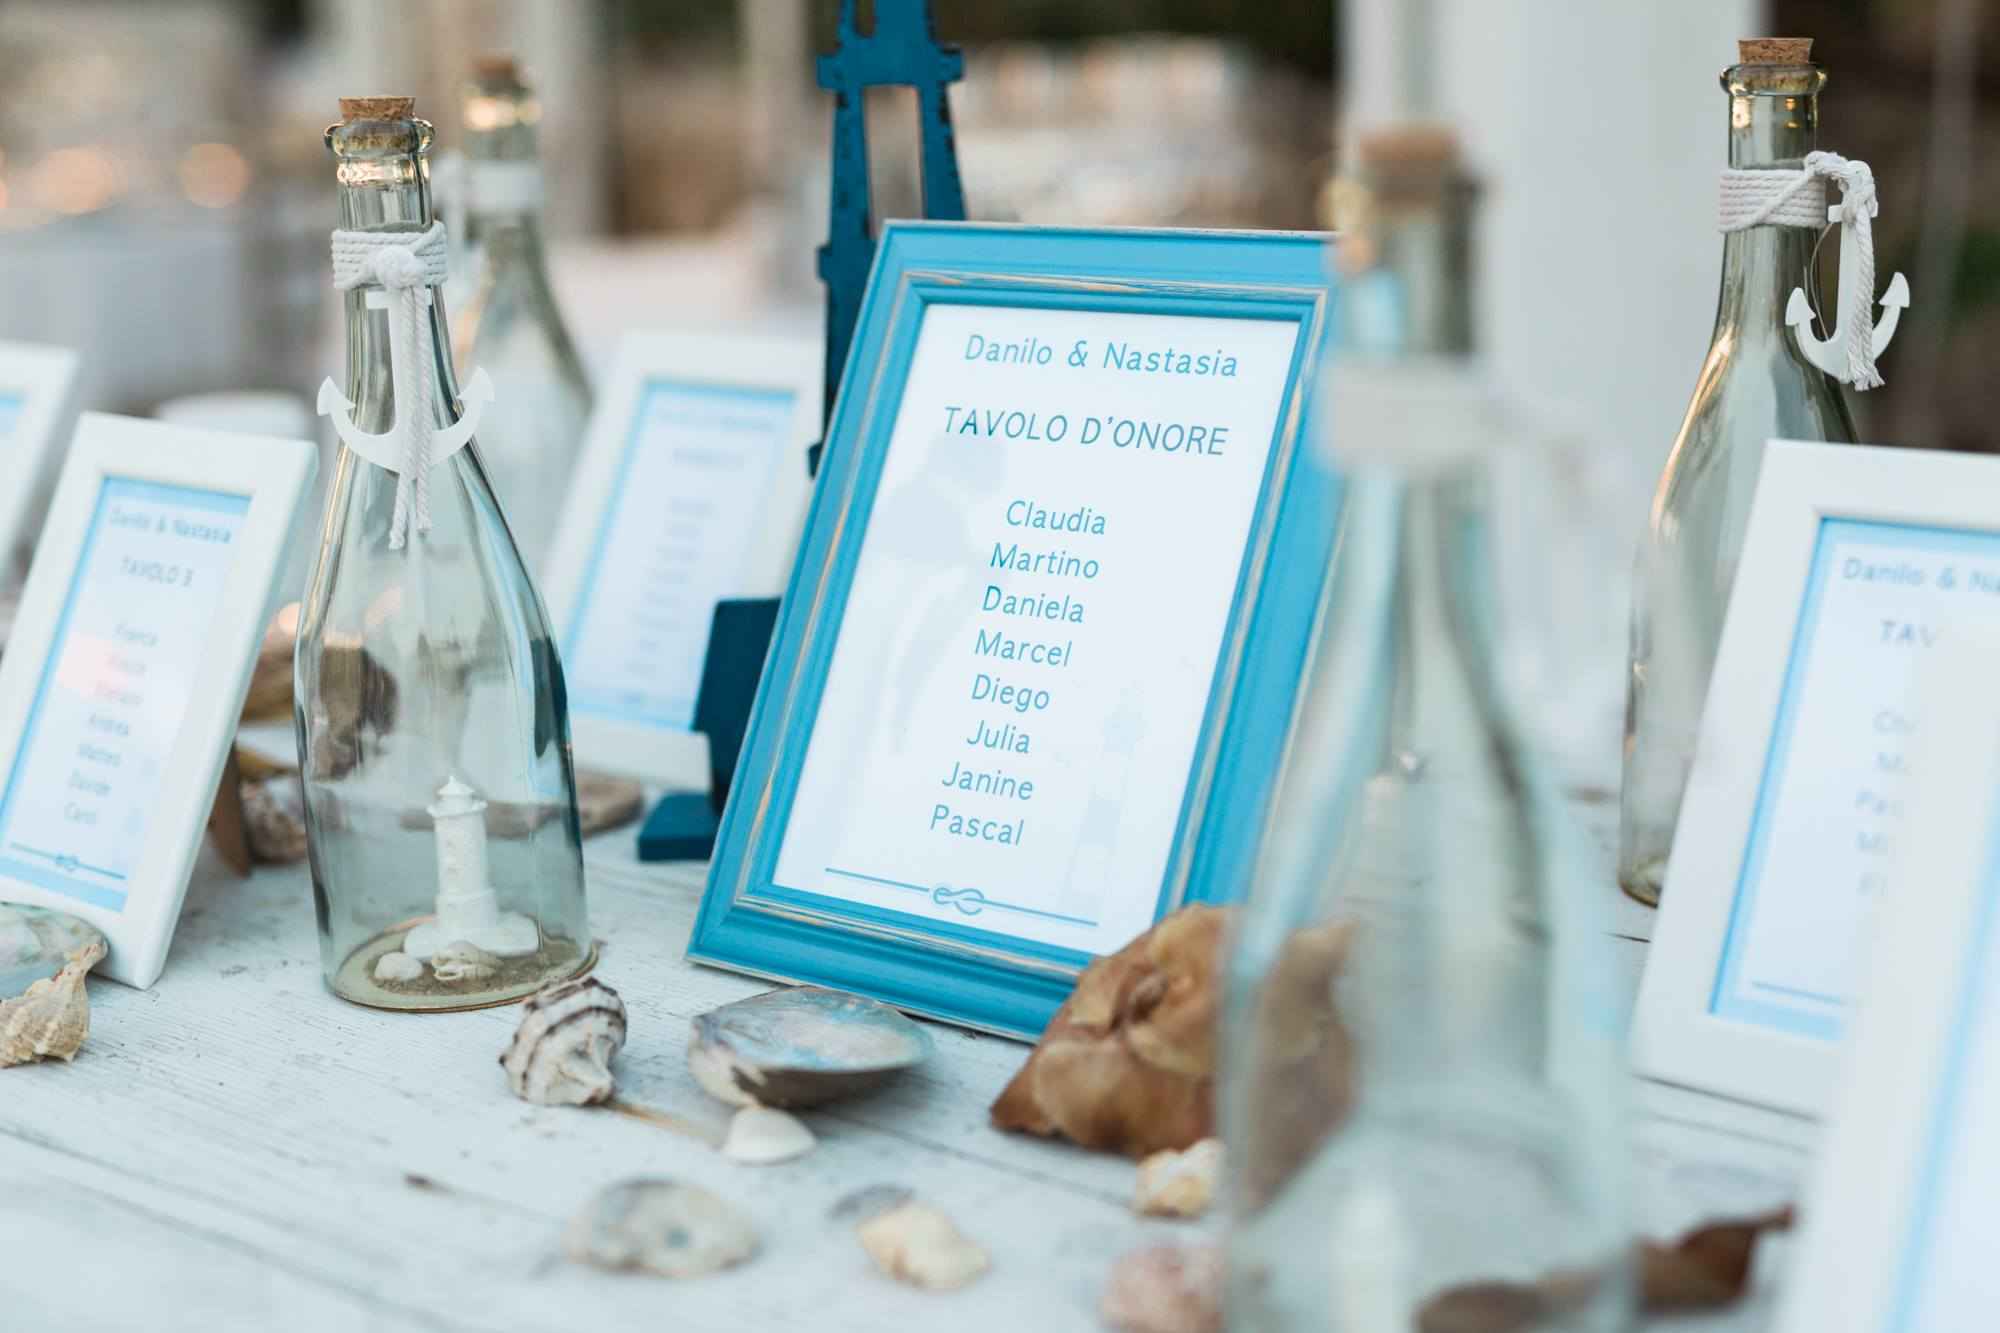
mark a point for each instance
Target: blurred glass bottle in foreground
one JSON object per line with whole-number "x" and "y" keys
{"x": 1423, "y": 1053}
{"x": 441, "y": 815}
{"x": 1755, "y": 385}
{"x": 511, "y": 325}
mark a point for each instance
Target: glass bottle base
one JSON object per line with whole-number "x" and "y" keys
{"x": 1645, "y": 883}
{"x": 513, "y": 979}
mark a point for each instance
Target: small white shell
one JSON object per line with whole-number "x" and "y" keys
{"x": 561, "y": 1054}
{"x": 661, "y": 1227}
{"x": 1178, "y": 1184}
{"x": 397, "y": 966}
{"x": 461, "y": 961}
{"x": 759, "y": 1136}
{"x": 917, "y": 1244}
{"x": 50, "y": 1020}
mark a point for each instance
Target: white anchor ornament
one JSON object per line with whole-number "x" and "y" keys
{"x": 386, "y": 450}
{"x": 1849, "y": 355}
{"x": 403, "y": 268}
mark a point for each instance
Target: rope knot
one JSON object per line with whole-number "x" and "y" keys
{"x": 1856, "y": 182}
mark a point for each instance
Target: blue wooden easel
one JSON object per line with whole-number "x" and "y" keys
{"x": 902, "y": 51}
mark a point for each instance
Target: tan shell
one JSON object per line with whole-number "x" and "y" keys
{"x": 917, "y": 1244}
{"x": 1128, "y": 1062}
{"x": 1178, "y": 1184}
{"x": 52, "y": 1019}
{"x": 561, "y": 1054}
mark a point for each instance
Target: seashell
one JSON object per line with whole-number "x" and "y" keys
{"x": 561, "y": 1054}
{"x": 1166, "y": 1289}
{"x": 759, "y": 1136}
{"x": 917, "y": 1244}
{"x": 801, "y": 1047}
{"x": 464, "y": 961}
{"x": 51, "y": 1020}
{"x": 1178, "y": 1184}
{"x": 274, "y": 811}
{"x": 1128, "y": 1062}
{"x": 270, "y": 694}
{"x": 660, "y": 1227}
{"x": 35, "y": 943}
{"x": 397, "y": 966}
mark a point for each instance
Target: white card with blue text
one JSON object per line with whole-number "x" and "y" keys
{"x": 1029, "y": 644}
{"x": 691, "y": 490}
{"x": 123, "y": 680}
{"x": 1859, "y": 565}
{"x": 1901, "y": 1217}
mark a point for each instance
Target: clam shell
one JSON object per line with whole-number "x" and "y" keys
{"x": 801, "y": 1047}
{"x": 661, "y": 1227}
{"x": 35, "y": 943}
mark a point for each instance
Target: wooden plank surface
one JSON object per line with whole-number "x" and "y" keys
{"x": 237, "y": 1149}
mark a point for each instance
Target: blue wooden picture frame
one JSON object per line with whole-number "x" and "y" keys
{"x": 971, "y": 971}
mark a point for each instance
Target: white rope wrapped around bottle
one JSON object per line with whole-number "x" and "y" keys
{"x": 404, "y": 264}
{"x": 1770, "y": 197}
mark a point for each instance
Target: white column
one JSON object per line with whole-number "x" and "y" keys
{"x": 1597, "y": 128}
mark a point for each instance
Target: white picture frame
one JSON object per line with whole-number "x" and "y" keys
{"x": 36, "y": 384}
{"x": 1736, "y": 914}
{"x": 748, "y": 547}
{"x": 1899, "y": 1212}
{"x": 248, "y": 488}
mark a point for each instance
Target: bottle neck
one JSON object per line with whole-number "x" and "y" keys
{"x": 388, "y": 194}
{"x": 1447, "y": 693}
{"x": 1773, "y": 125}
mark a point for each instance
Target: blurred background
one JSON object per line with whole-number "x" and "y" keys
{"x": 165, "y": 195}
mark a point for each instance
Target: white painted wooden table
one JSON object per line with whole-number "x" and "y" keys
{"x": 236, "y": 1149}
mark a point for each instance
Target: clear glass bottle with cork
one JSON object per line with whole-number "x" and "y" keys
{"x": 1756, "y": 384}
{"x": 512, "y": 325}
{"x": 441, "y": 815}
{"x": 1422, "y": 1054}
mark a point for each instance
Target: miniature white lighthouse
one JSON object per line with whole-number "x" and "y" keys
{"x": 467, "y": 907}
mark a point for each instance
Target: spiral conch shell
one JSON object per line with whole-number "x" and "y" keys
{"x": 51, "y": 1020}
{"x": 561, "y": 1054}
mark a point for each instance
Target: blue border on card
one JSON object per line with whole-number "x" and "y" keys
{"x": 616, "y": 705}
{"x": 979, "y": 974}
{"x": 1725, "y": 998}
{"x": 58, "y": 872}
{"x": 1944, "y": 1125}
{"x": 13, "y": 406}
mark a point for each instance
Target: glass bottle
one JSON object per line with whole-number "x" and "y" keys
{"x": 1423, "y": 1059}
{"x": 1755, "y": 385}
{"x": 1423, "y": 1046}
{"x": 433, "y": 733}
{"x": 512, "y": 327}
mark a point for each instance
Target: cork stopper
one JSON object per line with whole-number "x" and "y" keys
{"x": 1409, "y": 146}
{"x": 1774, "y": 51}
{"x": 496, "y": 69}
{"x": 377, "y": 108}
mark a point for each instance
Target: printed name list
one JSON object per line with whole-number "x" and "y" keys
{"x": 1037, "y": 615}
{"x": 116, "y": 687}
